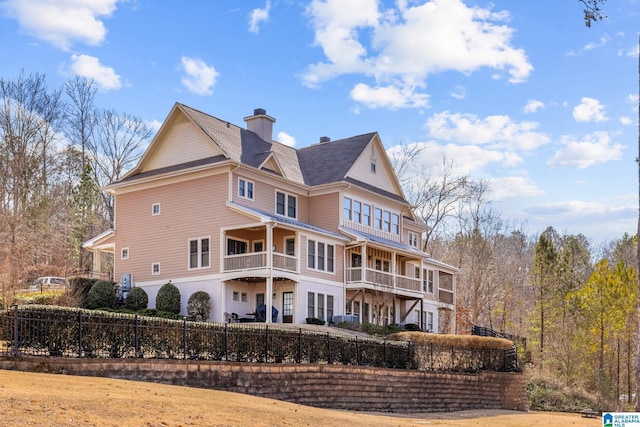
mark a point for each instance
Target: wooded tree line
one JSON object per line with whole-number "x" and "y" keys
{"x": 574, "y": 305}
{"x": 57, "y": 149}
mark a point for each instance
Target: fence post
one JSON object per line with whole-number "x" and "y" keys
{"x": 226, "y": 343}
{"x": 79, "y": 334}
{"x": 452, "y": 357}
{"x": 384, "y": 349}
{"x": 136, "y": 336}
{"x": 329, "y": 358}
{"x": 184, "y": 339}
{"x": 299, "y": 359}
{"x": 266, "y": 344}
{"x": 357, "y": 352}
{"x": 15, "y": 331}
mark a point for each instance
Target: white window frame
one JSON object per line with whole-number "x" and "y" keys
{"x": 155, "y": 209}
{"x": 395, "y": 223}
{"x": 124, "y": 253}
{"x": 347, "y": 210}
{"x": 286, "y": 204}
{"x": 324, "y": 257}
{"x": 247, "y": 187}
{"x": 377, "y": 220}
{"x": 155, "y": 268}
{"x": 366, "y": 216}
{"x": 235, "y": 296}
{"x": 428, "y": 280}
{"x": 413, "y": 239}
{"x": 199, "y": 265}
{"x": 258, "y": 242}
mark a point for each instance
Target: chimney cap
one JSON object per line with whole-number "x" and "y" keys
{"x": 259, "y": 111}
{"x": 324, "y": 139}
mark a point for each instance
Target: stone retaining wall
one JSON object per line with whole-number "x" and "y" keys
{"x": 326, "y": 386}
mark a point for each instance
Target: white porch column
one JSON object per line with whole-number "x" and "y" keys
{"x": 97, "y": 263}
{"x": 268, "y": 297}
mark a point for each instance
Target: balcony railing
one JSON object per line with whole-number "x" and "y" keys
{"x": 445, "y": 296}
{"x": 383, "y": 279}
{"x": 257, "y": 260}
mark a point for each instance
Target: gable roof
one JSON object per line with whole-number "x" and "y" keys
{"x": 329, "y": 162}
{"x": 318, "y": 164}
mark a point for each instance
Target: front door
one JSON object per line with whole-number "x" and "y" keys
{"x": 287, "y": 307}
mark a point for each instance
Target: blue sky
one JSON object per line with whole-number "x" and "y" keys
{"x": 519, "y": 93}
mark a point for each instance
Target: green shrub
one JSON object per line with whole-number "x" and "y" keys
{"x": 168, "y": 299}
{"x": 137, "y": 299}
{"x": 152, "y": 312}
{"x": 199, "y": 306}
{"x": 102, "y": 294}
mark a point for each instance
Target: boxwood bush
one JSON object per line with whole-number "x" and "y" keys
{"x": 168, "y": 298}
{"x": 137, "y": 299}
{"x": 102, "y": 294}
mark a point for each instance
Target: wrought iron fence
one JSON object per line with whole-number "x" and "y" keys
{"x": 77, "y": 333}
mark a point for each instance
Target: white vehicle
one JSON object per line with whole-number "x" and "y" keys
{"x": 49, "y": 283}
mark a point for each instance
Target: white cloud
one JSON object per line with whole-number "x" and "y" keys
{"x": 460, "y": 92}
{"x": 91, "y": 68}
{"x": 258, "y": 16}
{"x": 533, "y": 105}
{"x": 589, "y": 110}
{"x": 603, "y": 41}
{"x": 398, "y": 47}
{"x": 198, "y": 77}
{"x": 286, "y": 139}
{"x": 468, "y": 159}
{"x": 390, "y": 96}
{"x": 626, "y": 120}
{"x": 155, "y": 124}
{"x": 593, "y": 149}
{"x": 498, "y": 132}
{"x": 510, "y": 187}
{"x": 62, "y": 22}
{"x": 633, "y": 98}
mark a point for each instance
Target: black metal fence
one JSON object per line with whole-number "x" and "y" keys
{"x": 77, "y": 333}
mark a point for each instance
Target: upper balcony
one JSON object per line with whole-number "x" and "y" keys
{"x": 382, "y": 280}
{"x": 258, "y": 261}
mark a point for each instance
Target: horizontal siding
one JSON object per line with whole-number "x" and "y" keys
{"x": 188, "y": 209}
{"x": 324, "y": 211}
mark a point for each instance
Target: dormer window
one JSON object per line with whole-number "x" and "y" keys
{"x": 413, "y": 239}
{"x": 155, "y": 209}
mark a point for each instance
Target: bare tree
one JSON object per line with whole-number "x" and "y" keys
{"x": 116, "y": 144}
{"x": 592, "y": 11}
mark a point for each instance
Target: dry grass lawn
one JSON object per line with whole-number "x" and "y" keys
{"x": 30, "y": 399}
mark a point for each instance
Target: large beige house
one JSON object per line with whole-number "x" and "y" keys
{"x": 319, "y": 232}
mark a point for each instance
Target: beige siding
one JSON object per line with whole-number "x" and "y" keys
{"x": 324, "y": 211}
{"x": 183, "y": 143}
{"x": 337, "y": 275}
{"x": 265, "y": 196}
{"x": 383, "y": 177}
{"x": 188, "y": 210}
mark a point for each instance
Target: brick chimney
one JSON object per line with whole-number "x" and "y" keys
{"x": 261, "y": 124}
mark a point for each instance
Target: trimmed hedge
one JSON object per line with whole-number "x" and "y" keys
{"x": 137, "y": 299}
{"x": 168, "y": 298}
{"x": 102, "y": 294}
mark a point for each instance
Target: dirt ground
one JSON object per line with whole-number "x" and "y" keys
{"x": 30, "y": 399}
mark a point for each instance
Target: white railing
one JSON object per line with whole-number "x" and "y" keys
{"x": 370, "y": 230}
{"x": 408, "y": 283}
{"x": 254, "y": 260}
{"x": 378, "y": 277}
{"x": 245, "y": 261}
{"x": 285, "y": 262}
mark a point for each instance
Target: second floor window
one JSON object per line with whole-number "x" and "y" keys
{"x": 245, "y": 189}
{"x": 378, "y": 219}
{"x": 427, "y": 281}
{"x": 366, "y": 215}
{"x": 320, "y": 256}
{"x": 357, "y": 211}
{"x": 413, "y": 239}
{"x": 286, "y": 205}
{"x": 199, "y": 253}
{"x": 347, "y": 208}
{"x": 395, "y": 224}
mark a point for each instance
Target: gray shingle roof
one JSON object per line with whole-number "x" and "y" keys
{"x": 330, "y": 161}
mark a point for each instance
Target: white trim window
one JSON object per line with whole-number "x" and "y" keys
{"x": 155, "y": 268}
{"x": 124, "y": 253}
{"x": 286, "y": 205}
{"x": 245, "y": 188}
{"x": 427, "y": 281}
{"x": 348, "y": 210}
{"x": 413, "y": 239}
{"x": 155, "y": 209}
{"x": 199, "y": 253}
{"x": 320, "y": 256}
